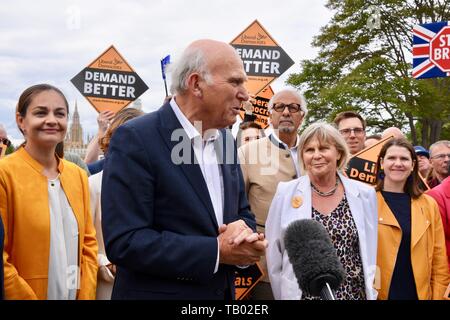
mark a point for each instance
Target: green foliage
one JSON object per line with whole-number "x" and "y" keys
{"x": 10, "y": 149}
{"x": 368, "y": 69}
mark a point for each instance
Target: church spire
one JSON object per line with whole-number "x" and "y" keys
{"x": 76, "y": 116}
{"x": 76, "y": 132}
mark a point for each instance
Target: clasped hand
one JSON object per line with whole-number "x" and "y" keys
{"x": 239, "y": 245}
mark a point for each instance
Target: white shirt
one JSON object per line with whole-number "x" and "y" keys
{"x": 63, "y": 260}
{"x": 105, "y": 279}
{"x": 206, "y": 157}
{"x": 293, "y": 151}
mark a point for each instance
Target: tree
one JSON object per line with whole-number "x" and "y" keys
{"x": 10, "y": 149}
{"x": 364, "y": 64}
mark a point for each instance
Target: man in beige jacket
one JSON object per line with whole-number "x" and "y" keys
{"x": 267, "y": 161}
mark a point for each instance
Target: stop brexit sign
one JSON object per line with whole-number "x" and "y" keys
{"x": 440, "y": 49}
{"x": 431, "y": 50}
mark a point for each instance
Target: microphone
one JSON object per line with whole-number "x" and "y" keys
{"x": 314, "y": 259}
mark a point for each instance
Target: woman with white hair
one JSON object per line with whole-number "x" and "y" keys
{"x": 346, "y": 208}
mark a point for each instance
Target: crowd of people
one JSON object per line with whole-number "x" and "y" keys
{"x": 177, "y": 204}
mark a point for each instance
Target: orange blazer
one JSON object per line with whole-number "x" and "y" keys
{"x": 25, "y": 211}
{"x": 428, "y": 253}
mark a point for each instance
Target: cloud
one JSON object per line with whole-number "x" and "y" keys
{"x": 51, "y": 41}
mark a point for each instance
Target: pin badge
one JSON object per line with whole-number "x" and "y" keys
{"x": 297, "y": 201}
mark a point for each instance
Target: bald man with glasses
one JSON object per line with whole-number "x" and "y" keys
{"x": 267, "y": 161}
{"x": 353, "y": 128}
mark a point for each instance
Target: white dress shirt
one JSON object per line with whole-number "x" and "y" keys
{"x": 206, "y": 157}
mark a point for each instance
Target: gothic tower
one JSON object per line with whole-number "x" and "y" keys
{"x": 76, "y": 131}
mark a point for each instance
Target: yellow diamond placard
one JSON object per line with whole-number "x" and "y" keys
{"x": 260, "y": 113}
{"x": 264, "y": 60}
{"x": 109, "y": 82}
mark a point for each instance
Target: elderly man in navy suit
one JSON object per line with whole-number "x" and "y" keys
{"x": 176, "y": 221}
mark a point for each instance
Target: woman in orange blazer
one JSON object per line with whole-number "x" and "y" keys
{"x": 50, "y": 247}
{"x": 411, "y": 258}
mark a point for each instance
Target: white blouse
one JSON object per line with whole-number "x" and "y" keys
{"x": 63, "y": 274}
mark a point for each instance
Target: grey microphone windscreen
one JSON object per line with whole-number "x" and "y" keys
{"x": 313, "y": 256}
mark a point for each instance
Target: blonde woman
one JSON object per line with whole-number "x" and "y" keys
{"x": 346, "y": 208}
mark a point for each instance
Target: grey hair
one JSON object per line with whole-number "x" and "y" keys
{"x": 303, "y": 104}
{"x": 324, "y": 132}
{"x": 192, "y": 60}
{"x": 439, "y": 143}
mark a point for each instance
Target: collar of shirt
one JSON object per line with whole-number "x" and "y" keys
{"x": 284, "y": 144}
{"x": 191, "y": 131}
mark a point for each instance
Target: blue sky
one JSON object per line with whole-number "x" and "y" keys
{"x": 51, "y": 41}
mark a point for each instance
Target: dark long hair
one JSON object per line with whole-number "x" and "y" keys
{"x": 27, "y": 96}
{"x": 412, "y": 185}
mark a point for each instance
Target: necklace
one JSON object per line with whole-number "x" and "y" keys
{"x": 52, "y": 181}
{"x": 326, "y": 194}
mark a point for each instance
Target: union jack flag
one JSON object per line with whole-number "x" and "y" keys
{"x": 423, "y": 67}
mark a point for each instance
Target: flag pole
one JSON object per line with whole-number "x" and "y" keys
{"x": 164, "y": 76}
{"x": 165, "y": 87}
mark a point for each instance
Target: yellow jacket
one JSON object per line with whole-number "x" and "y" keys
{"x": 24, "y": 207}
{"x": 428, "y": 253}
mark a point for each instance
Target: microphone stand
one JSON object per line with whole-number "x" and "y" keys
{"x": 326, "y": 293}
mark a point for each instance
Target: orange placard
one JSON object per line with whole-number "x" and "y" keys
{"x": 246, "y": 279}
{"x": 264, "y": 60}
{"x": 109, "y": 82}
{"x": 259, "y": 107}
{"x": 362, "y": 166}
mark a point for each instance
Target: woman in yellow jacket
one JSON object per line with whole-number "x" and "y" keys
{"x": 411, "y": 258}
{"x": 50, "y": 247}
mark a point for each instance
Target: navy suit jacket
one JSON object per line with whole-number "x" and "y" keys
{"x": 158, "y": 221}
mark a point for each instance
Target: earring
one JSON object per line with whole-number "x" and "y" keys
{"x": 381, "y": 175}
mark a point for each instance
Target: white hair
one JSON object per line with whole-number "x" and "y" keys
{"x": 191, "y": 61}
{"x": 439, "y": 143}
{"x": 324, "y": 132}
{"x": 303, "y": 104}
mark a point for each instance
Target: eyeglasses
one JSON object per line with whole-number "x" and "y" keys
{"x": 356, "y": 131}
{"x": 5, "y": 141}
{"x": 441, "y": 156}
{"x": 293, "y": 107}
{"x": 247, "y": 139}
